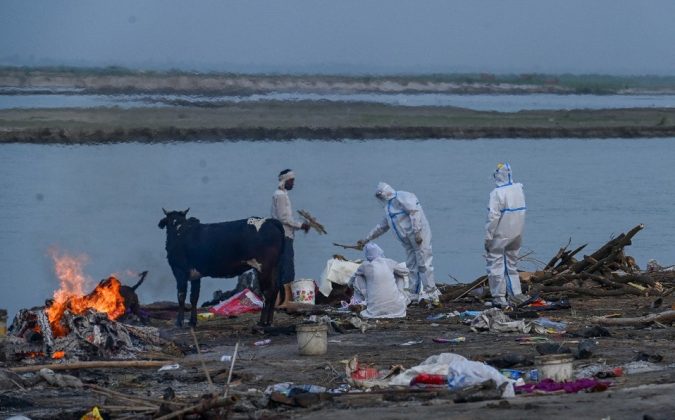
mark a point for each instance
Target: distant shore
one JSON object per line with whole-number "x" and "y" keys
{"x": 120, "y": 80}
{"x": 321, "y": 120}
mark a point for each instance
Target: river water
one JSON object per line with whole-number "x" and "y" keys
{"x": 105, "y": 200}
{"x": 487, "y": 102}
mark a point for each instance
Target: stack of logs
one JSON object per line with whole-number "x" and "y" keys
{"x": 606, "y": 272}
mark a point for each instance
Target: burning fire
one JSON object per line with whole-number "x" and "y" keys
{"x": 105, "y": 298}
{"x": 58, "y": 354}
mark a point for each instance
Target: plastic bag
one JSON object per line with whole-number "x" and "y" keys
{"x": 243, "y": 302}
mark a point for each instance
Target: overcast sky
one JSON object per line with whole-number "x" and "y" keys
{"x": 392, "y": 36}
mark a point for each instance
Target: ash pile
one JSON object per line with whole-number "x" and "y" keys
{"x": 90, "y": 327}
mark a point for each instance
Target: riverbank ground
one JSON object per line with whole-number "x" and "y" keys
{"x": 633, "y": 395}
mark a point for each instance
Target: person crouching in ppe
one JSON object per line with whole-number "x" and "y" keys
{"x": 503, "y": 237}
{"x": 404, "y": 214}
{"x": 380, "y": 283}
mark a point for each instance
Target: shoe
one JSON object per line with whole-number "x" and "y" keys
{"x": 520, "y": 300}
{"x": 500, "y": 302}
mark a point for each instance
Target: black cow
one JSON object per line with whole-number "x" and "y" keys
{"x": 227, "y": 249}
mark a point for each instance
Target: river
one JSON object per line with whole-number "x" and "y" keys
{"x": 105, "y": 200}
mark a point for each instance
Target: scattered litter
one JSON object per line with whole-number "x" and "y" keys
{"x": 59, "y": 380}
{"x": 439, "y": 316}
{"x": 641, "y": 367}
{"x": 443, "y": 340}
{"x": 359, "y": 324}
{"x": 226, "y": 358}
{"x": 532, "y": 340}
{"x": 531, "y": 375}
{"x": 243, "y": 302}
{"x": 551, "y": 325}
{"x": 592, "y": 332}
{"x": 646, "y": 357}
{"x": 509, "y": 360}
{"x": 364, "y": 376}
{"x": 495, "y": 320}
{"x": 412, "y": 342}
{"x": 203, "y": 316}
{"x": 263, "y": 342}
{"x": 612, "y": 373}
{"x": 290, "y": 389}
{"x": 94, "y": 414}
{"x": 460, "y": 372}
{"x": 169, "y": 367}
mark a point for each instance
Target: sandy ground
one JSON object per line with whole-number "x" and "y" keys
{"x": 322, "y": 120}
{"x": 631, "y": 396}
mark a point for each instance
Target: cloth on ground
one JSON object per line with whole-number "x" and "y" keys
{"x": 549, "y": 385}
{"x": 495, "y": 320}
{"x": 337, "y": 271}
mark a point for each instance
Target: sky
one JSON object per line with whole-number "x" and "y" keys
{"x": 345, "y": 36}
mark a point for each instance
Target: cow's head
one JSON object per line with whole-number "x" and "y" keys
{"x": 173, "y": 218}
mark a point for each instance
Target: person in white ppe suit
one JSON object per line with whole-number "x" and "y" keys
{"x": 379, "y": 282}
{"x": 403, "y": 213}
{"x": 503, "y": 237}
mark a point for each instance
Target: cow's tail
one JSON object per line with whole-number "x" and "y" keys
{"x": 140, "y": 281}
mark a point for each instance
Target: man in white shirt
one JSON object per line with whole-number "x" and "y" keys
{"x": 282, "y": 211}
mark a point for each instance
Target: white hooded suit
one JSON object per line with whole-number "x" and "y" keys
{"x": 504, "y": 234}
{"x": 403, "y": 213}
{"x": 379, "y": 282}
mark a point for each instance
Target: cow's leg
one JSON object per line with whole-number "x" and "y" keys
{"x": 181, "y": 285}
{"x": 195, "y": 285}
{"x": 270, "y": 285}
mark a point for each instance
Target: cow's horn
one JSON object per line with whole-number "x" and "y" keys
{"x": 166, "y": 213}
{"x": 186, "y": 211}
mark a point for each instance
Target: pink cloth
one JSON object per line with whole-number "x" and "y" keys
{"x": 549, "y": 385}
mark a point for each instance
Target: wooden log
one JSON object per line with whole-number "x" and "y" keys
{"x": 113, "y": 394}
{"x": 201, "y": 408}
{"x": 620, "y": 241}
{"x": 605, "y": 281}
{"x": 557, "y": 256}
{"x": 463, "y": 292}
{"x": 567, "y": 258}
{"x": 102, "y": 364}
{"x": 667, "y": 317}
{"x": 582, "y": 291}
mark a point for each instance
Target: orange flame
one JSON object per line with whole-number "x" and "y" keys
{"x": 58, "y": 354}
{"x": 105, "y": 298}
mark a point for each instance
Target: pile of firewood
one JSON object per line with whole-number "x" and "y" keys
{"x": 606, "y": 272}
{"x": 90, "y": 336}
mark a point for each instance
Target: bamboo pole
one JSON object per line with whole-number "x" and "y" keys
{"x": 99, "y": 364}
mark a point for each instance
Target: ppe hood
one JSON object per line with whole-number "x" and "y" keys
{"x": 503, "y": 175}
